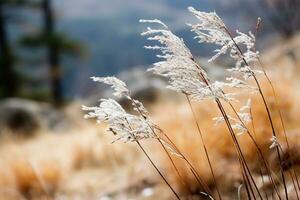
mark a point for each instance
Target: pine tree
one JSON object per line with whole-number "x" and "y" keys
{"x": 56, "y": 44}
{"x": 53, "y": 52}
{"x": 8, "y": 75}
{"x": 283, "y": 14}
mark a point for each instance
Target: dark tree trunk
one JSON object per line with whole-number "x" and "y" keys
{"x": 8, "y": 78}
{"x": 53, "y": 53}
{"x": 284, "y": 15}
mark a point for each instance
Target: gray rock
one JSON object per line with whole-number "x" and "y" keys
{"x": 19, "y": 116}
{"x": 23, "y": 116}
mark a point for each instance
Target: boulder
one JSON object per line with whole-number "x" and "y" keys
{"x": 23, "y": 116}
{"x": 19, "y": 116}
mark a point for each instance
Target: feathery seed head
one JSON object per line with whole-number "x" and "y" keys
{"x": 274, "y": 142}
{"x": 120, "y": 88}
{"x": 126, "y": 126}
{"x": 207, "y": 20}
{"x": 239, "y": 122}
{"x": 157, "y": 21}
{"x": 211, "y": 29}
{"x": 179, "y": 66}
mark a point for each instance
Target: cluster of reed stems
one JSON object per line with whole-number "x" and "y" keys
{"x": 249, "y": 184}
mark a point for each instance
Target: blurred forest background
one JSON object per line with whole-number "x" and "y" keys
{"x": 50, "y": 48}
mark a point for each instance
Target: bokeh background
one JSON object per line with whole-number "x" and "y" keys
{"x": 50, "y": 48}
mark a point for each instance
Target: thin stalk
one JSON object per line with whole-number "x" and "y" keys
{"x": 281, "y": 120}
{"x": 184, "y": 184}
{"x": 276, "y": 101}
{"x": 258, "y": 149}
{"x": 195, "y": 173}
{"x": 263, "y": 182}
{"x": 273, "y": 132}
{"x": 237, "y": 144}
{"x": 221, "y": 108}
{"x": 244, "y": 179}
{"x": 152, "y": 163}
{"x": 160, "y": 142}
{"x": 290, "y": 173}
{"x": 249, "y": 182}
{"x": 292, "y": 177}
{"x": 204, "y": 146}
{"x": 158, "y": 171}
{"x": 267, "y": 110}
{"x": 260, "y": 168}
{"x": 199, "y": 180}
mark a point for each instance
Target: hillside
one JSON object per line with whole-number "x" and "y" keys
{"x": 81, "y": 163}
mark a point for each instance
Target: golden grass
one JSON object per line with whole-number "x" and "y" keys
{"x": 83, "y": 162}
{"x": 40, "y": 167}
{"x": 178, "y": 123}
{"x": 50, "y": 165}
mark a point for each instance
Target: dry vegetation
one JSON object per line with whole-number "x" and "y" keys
{"x": 180, "y": 126}
{"x": 178, "y": 123}
{"x": 83, "y": 164}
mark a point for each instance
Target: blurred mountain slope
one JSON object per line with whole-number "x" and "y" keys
{"x": 110, "y": 32}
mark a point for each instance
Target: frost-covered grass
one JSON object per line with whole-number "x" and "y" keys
{"x": 230, "y": 101}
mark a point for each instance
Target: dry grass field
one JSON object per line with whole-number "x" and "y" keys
{"x": 83, "y": 164}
